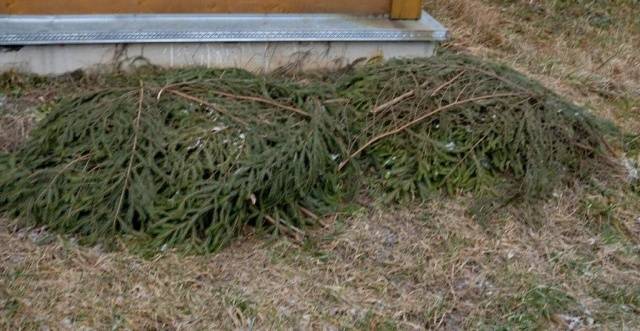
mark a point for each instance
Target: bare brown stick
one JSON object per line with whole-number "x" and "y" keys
{"x": 198, "y": 100}
{"x": 446, "y": 84}
{"x": 308, "y": 213}
{"x": 202, "y": 102}
{"x": 338, "y": 100}
{"x": 417, "y": 121}
{"x": 397, "y": 100}
{"x": 412, "y": 93}
{"x": 298, "y": 111}
{"x": 264, "y": 101}
{"x": 293, "y": 232}
{"x": 127, "y": 176}
{"x": 170, "y": 86}
{"x": 315, "y": 217}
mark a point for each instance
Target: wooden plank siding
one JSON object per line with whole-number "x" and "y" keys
{"x": 406, "y": 9}
{"x": 397, "y": 9}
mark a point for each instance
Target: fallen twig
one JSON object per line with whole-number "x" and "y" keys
{"x": 412, "y": 93}
{"x": 315, "y": 217}
{"x": 210, "y": 105}
{"x": 169, "y": 88}
{"x": 417, "y": 121}
{"x": 133, "y": 154}
{"x": 263, "y": 100}
{"x": 291, "y": 231}
{"x": 447, "y": 83}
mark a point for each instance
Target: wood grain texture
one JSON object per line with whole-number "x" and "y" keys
{"x": 406, "y": 9}
{"x": 38, "y": 7}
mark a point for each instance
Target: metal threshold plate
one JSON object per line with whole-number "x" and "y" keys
{"x": 109, "y": 29}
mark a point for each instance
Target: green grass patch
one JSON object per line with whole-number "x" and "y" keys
{"x": 531, "y": 308}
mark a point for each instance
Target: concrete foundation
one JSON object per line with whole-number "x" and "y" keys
{"x": 256, "y": 57}
{"x": 260, "y": 43}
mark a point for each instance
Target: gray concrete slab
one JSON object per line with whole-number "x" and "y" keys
{"x": 253, "y": 56}
{"x": 260, "y": 43}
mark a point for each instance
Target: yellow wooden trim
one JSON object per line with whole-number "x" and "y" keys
{"x": 36, "y": 7}
{"x": 406, "y": 9}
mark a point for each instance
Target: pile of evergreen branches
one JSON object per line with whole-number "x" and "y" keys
{"x": 191, "y": 157}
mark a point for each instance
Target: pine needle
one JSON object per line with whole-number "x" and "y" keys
{"x": 219, "y": 151}
{"x": 416, "y": 121}
{"x": 134, "y": 148}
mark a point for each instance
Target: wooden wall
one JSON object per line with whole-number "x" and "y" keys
{"x": 401, "y": 9}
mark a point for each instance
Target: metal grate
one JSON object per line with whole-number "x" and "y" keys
{"x": 108, "y": 29}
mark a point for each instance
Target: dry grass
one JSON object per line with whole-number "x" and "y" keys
{"x": 585, "y": 49}
{"x": 426, "y": 267}
{"x": 15, "y": 123}
{"x": 22, "y": 103}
